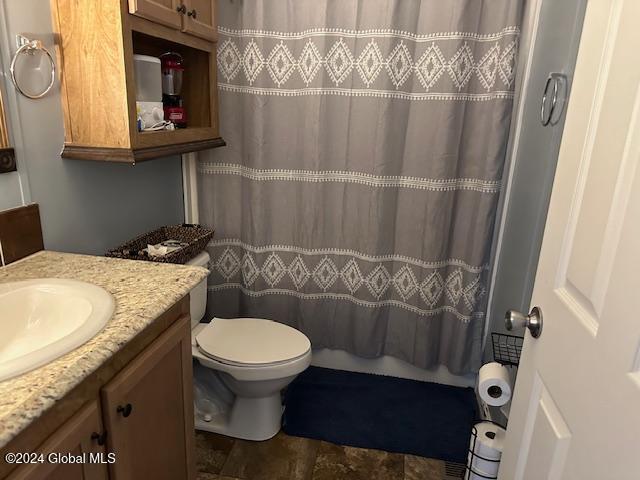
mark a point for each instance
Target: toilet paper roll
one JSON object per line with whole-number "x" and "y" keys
{"x": 489, "y": 443}
{"x": 494, "y": 385}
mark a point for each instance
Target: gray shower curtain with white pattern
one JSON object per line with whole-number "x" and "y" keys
{"x": 356, "y": 197}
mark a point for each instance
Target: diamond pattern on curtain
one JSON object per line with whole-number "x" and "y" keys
{"x": 357, "y": 194}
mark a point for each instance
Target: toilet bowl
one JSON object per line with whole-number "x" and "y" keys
{"x": 241, "y": 367}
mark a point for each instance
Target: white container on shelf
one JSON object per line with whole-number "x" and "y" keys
{"x": 148, "y": 78}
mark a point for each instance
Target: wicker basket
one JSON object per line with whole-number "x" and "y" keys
{"x": 195, "y": 236}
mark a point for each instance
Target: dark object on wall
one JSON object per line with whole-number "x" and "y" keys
{"x": 380, "y": 412}
{"x": 196, "y": 238}
{"x": 20, "y": 232}
{"x": 7, "y": 160}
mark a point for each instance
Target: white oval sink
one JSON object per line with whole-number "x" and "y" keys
{"x": 42, "y": 319}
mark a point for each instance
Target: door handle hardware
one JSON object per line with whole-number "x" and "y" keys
{"x": 125, "y": 411}
{"x": 558, "y": 80}
{"x": 181, "y": 9}
{"x": 100, "y": 438}
{"x": 533, "y": 321}
{"x": 192, "y": 13}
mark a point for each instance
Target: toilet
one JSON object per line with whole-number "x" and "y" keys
{"x": 241, "y": 367}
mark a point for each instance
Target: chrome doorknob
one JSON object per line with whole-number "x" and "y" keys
{"x": 533, "y": 321}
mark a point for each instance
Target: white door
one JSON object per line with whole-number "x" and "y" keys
{"x": 576, "y": 410}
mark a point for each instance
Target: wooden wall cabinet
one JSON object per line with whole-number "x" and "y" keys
{"x": 201, "y": 19}
{"x": 145, "y": 420}
{"x": 196, "y": 17}
{"x": 166, "y": 12}
{"x": 96, "y": 42}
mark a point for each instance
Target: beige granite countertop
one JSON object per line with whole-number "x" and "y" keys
{"x": 143, "y": 291}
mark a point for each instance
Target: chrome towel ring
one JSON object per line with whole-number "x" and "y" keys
{"x": 559, "y": 81}
{"x": 28, "y": 46}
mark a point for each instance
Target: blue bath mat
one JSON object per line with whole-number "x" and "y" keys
{"x": 383, "y": 413}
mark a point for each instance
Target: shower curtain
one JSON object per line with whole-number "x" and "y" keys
{"x": 356, "y": 197}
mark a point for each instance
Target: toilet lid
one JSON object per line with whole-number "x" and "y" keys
{"x": 251, "y": 341}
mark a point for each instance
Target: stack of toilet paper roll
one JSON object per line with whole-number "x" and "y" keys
{"x": 487, "y": 440}
{"x": 485, "y": 451}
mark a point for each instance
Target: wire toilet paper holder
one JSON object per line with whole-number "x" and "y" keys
{"x": 473, "y": 455}
{"x": 507, "y": 349}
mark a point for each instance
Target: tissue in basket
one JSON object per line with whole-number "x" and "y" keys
{"x": 195, "y": 237}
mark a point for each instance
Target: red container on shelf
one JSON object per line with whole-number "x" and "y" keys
{"x": 172, "y": 73}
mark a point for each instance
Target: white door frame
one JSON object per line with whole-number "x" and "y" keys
{"x": 530, "y": 22}
{"x": 532, "y": 154}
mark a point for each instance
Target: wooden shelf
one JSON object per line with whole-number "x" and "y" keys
{"x": 136, "y": 155}
{"x": 98, "y": 84}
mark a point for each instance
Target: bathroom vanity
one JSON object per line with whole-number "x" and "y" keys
{"x": 124, "y": 398}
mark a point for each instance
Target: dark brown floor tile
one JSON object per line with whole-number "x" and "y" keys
{"x": 335, "y": 462}
{"x": 419, "y": 468}
{"x": 280, "y": 458}
{"x": 211, "y": 452}
{"x": 207, "y": 476}
{"x": 212, "y": 476}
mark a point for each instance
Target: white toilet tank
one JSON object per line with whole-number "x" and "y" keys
{"x": 198, "y": 300}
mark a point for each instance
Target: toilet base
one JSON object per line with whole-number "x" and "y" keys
{"x": 249, "y": 418}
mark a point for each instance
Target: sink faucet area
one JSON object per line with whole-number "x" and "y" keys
{"x": 47, "y": 318}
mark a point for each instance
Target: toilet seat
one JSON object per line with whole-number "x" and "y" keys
{"x": 251, "y": 342}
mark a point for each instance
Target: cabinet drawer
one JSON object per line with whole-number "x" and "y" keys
{"x": 148, "y": 410}
{"x": 79, "y": 436}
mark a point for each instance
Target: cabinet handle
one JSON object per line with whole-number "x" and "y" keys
{"x": 100, "y": 438}
{"x": 192, "y": 13}
{"x": 181, "y": 9}
{"x": 125, "y": 411}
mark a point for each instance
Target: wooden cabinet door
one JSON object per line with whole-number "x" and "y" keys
{"x": 166, "y": 12}
{"x": 200, "y": 19}
{"x": 79, "y": 436}
{"x": 148, "y": 411}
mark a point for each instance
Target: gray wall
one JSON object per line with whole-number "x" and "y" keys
{"x": 86, "y": 207}
{"x": 10, "y": 195}
{"x": 14, "y": 187}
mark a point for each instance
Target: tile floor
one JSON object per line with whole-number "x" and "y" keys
{"x": 294, "y": 458}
